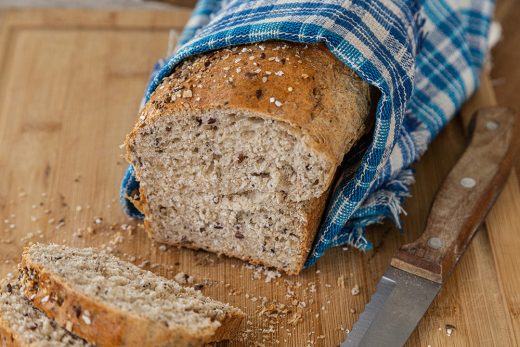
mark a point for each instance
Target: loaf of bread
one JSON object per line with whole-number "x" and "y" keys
{"x": 110, "y": 302}
{"x": 237, "y": 149}
{"x": 22, "y": 325}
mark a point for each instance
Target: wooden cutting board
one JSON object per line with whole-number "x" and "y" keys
{"x": 70, "y": 85}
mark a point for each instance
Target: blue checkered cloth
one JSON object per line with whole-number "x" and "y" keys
{"x": 425, "y": 57}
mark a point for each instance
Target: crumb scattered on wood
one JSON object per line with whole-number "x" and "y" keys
{"x": 450, "y": 329}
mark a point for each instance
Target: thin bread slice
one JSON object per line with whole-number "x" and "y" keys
{"x": 22, "y": 325}
{"x": 111, "y": 302}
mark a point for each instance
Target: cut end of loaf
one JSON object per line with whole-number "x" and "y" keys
{"x": 93, "y": 290}
{"x": 229, "y": 182}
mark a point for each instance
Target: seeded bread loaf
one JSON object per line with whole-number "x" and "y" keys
{"x": 237, "y": 149}
{"x": 22, "y": 325}
{"x": 110, "y": 302}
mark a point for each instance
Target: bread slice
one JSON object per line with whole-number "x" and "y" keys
{"x": 22, "y": 325}
{"x": 236, "y": 150}
{"x": 111, "y": 302}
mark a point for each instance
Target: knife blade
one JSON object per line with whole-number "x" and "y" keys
{"x": 387, "y": 319}
{"x": 419, "y": 269}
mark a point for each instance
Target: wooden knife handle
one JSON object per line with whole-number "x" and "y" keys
{"x": 465, "y": 197}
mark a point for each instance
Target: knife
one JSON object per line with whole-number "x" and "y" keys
{"x": 419, "y": 269}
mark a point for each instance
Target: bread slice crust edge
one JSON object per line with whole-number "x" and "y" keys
{"x": 104, "y": 325}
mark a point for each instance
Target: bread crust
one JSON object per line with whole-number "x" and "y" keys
{"x": 7, "y": 336}
{"x": 314, "y": 216}
{"x": 323, "y": 101}
{"x": 107, "y": 326}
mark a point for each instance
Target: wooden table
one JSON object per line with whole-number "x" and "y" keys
{"x": 70, "y": 83}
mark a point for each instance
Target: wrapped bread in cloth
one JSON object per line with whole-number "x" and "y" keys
{"x": 236, "y": 150}
{"x": 259, "y": 126}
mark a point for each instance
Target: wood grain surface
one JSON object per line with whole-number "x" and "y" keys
{"x": 70, "y": 84}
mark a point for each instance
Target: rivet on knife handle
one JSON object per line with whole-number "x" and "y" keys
{"x": 465, "y": 197}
